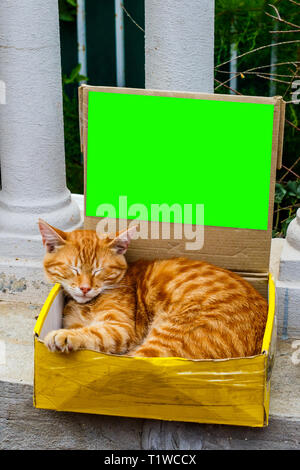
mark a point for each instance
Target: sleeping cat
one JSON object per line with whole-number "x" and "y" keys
{"x": 175, "y": 307}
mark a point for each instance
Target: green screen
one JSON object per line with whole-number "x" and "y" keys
{"x": 167, "y": 150}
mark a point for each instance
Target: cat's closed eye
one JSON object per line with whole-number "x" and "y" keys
{"x": 96, "y": 271}
{"x": 75, "y": 270}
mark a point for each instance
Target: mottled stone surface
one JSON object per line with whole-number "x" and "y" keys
{"x": 24, "y": 427}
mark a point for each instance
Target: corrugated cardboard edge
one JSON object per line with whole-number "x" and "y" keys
{"x": 45, "y": 309}
{"x": 81, "y": 119}
{"x": 281, "y": 131}
{"x": 83, "y": 93}
{"x": 140, "y": 248}
{"x": 183, "y": 94}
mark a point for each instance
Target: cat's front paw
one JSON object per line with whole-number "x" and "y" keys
{"x": 62, "y": 341}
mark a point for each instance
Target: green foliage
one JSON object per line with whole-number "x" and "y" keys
{"x": 236, "y": 21}
{"x": 246, "y": 24}
{"x": 287, "y": 201}
{"x": 74, "y": 166}
{"x": 67, "y": 10}
{"x": 75, "y": 76}
{"x": 74, "y": 163}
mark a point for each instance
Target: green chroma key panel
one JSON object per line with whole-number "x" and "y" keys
{"x": 173, "y": 150}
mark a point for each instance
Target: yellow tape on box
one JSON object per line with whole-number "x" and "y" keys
{"x": 231, "y": 391}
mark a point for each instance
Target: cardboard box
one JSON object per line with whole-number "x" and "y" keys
{"x": 232, "y": 391}
{"x": 244, "y": 251}
{"x": 229, "y": 391}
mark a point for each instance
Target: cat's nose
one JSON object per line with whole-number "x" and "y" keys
{"x": 85, "y": 289}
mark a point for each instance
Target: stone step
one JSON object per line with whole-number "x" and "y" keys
{"x": 24, "y": 427}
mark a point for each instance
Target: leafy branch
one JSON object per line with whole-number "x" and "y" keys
{"x": 287, "y": 201}
{"x": 282, "y": 72}
{"x": 281, "y": 20}
{"x": 67, "y": 10}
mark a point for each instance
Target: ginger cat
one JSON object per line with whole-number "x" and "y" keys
{"x": 175, "y": 307}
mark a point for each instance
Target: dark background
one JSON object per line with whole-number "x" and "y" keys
{"x": 244, "y": 23}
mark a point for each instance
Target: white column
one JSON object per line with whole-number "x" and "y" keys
{"x": 81, "y": 38}
{"x": 273, "y": 59}
{"x": 288, "y": 285}
{"x": 31, "y": 128}
{"x": 120, "y": 45}
{"x": 179, "y": 45}
{"x": 179, "y": 56}
{"x": 233, "y": 64}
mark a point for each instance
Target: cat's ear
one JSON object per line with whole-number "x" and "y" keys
{"x": 121, "y": 241}
{"x": 52, "y": 237}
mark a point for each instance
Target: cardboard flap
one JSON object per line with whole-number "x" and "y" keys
{"x": 281, "y": 131}
{"x": 244, "y": 250}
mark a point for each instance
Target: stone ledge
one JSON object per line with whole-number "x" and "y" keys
{"x": 287, "y": 308}
{"x": 24, "y": 427}
{"x": 23, "y": 279}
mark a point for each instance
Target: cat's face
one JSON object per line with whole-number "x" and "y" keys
{"x": 83, "y": 263}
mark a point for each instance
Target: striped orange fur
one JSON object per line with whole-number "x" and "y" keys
{"x": 175, "y": 307}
